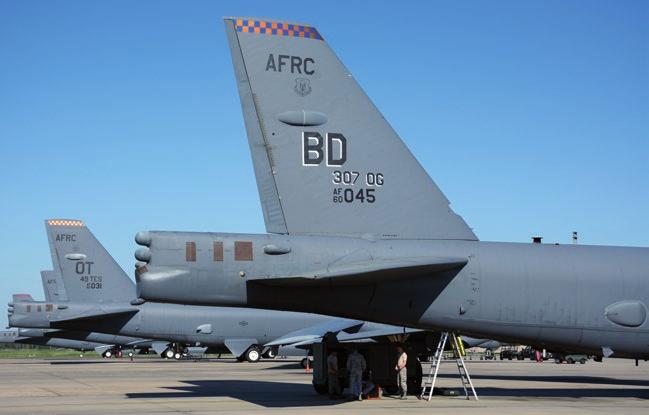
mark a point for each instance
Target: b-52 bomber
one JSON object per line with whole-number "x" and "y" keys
{"x": 19, "y": 336}
{"x": 95, "y": 300}
{"x": 357, "y": 228}
{"x": 106, "y": 345}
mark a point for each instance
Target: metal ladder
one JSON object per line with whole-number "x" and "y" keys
{"x": 429, "y": 384}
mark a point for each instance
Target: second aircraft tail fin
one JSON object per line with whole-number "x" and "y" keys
{"x": 88, "y": 272}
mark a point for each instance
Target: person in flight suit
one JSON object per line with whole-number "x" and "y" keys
{"x": 332, "y": 375}
{"x": 356, "y": 366}
{"x": 402, "y": 372}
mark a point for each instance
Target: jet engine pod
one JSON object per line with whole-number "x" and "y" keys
{"x": 627, "y": 313}
{"x": 143, "y": 254}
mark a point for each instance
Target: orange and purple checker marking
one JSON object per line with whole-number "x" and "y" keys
{"x": 276, "y": 29}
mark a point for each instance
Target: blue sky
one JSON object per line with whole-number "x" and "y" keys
{"x": 126, "y": 115}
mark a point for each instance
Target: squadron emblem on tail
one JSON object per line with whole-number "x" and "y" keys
{"x": 302, "y": 87}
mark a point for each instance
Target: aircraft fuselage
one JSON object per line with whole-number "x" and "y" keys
{"x": 590, "y": 298}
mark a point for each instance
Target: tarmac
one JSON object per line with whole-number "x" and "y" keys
{"x": 154, "y": 386}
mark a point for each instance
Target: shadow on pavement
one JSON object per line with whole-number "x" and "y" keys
{"x": 82, "y": 362}
{"x": 595, "y": 380}
{"x": 285, "y": 366}
{"x": 267, "y": 394}
{"x": 563, "y": 393}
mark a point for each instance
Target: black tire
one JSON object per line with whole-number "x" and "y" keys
{"x": 321, "y": 388}
{"x": 253, "y": 354}
{"x": 570, "y": 361}
{"x": 582, "y": 361}
{"x": 271, "y": 353}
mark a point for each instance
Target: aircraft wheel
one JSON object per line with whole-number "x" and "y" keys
{"x": 169, "y": 353}
{"x": 582, "y": 361}
{"x": 130, "y": 354}
{"x": 321, "y": 389}
{"x": 271, "y": 353}
{"x": 107, "y": 354}
{"x": 177, "y": 355}
{"x": 571, "y": 360}
{"x": 252, "y": 354}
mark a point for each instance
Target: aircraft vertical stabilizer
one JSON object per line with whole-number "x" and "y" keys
{"x": 53, "y": 287}
{"x": 325, "y": 159}
{"x": 88, "y": 272}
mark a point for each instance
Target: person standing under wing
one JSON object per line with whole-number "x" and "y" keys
{"x": 356, "y": 366}
{"x": 332, "y": 375}
{"x": 402, "y": 372}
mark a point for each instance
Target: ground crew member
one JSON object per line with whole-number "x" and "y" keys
{"x": 356, "y": 366}
{"x": 332, "y": 375}
{"x": 402, "y": 372}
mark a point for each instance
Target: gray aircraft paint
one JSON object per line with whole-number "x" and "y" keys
{"x": 40, "y": 313}
{"x": 17, "y": 336}
{"x": 268, "y": 98}
{"x": 107, "y": 308}
{"x": 52, "y": 287}
{"x": 405, "y": 259}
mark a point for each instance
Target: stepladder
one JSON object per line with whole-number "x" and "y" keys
{"x": 438, "y": 357}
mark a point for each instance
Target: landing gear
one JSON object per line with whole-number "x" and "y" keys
{"x": 253, "y": 355}
{"x": 174, "y": 351}
{"x": 107, "y": 354}
{"x": 321, "y": 389}
{"x": 271, "y": 353}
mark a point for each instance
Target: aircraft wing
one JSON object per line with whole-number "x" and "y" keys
{"x": 369, "y": 271}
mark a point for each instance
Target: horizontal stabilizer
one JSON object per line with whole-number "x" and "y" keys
{"x": 22, "y": 298}
{"x": 370, "y": 271}
{"x": 94, "y": 314}
{"x": 386, "y": 330}
{"x": 316, "y": 332}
